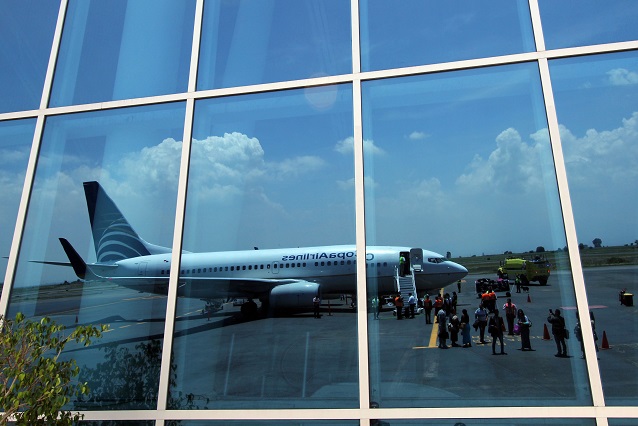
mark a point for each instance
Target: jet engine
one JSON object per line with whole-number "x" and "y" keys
{"x": 293, "y": 296}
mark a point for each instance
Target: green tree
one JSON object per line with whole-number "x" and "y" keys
{"x": 597, "y": 242}
{"x": 36, "y": 384}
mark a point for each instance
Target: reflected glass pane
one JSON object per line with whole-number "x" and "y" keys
{"x": 269, "y": 171}
{"x": 26, "y": 34}
{"x": 567, "y": 24}
{"x": 247, "y": 42}
{"x": 111, "y": 177}
{"x": 414, "y": 32}
{"x": 15, "y": 145}
{"x": 270, "y": 423}
{"x": 623, "y": 422}
{"x": 118, "y": 423}
{"x": 123, "y": 49}
{"x": 473, "y": 422}
{"x": 460, "y": 164}
{"x": 597, "y": 107}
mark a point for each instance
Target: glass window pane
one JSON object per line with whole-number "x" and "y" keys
{"x": 123, "y": 49}
{"x": 26, "y": 34}
{"x": 460, "y": 164}
{"x": 414, "y": 32}
{"x": 597, "y": 106}
{"x": 270, "y": 423}
{"x": 567, "y": 24}
{"x": 623, "y": 422}
{"x": 15, "y": 145}
{"x": 247, "y": 42}
{"x": 110, "y": 176}
{"x": 117, "y": 423}
{"x": 496, "y": 422}
{"x": 269, "y": 171}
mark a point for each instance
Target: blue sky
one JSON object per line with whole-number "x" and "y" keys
{"x": 451, "y": 161}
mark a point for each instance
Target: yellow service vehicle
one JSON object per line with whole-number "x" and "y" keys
{"x": 535, "y": 269}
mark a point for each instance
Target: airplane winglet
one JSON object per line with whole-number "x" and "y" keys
{"x": 78, "y": 264}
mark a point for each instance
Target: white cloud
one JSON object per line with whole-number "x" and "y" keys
{"x": 292, "y": 167}
{"x": 11, "y": 156}
{"x": 513, "y": 167}
{"x": 598, "y": 156}
{"x": 417, "y": 136}
{"x": 346, "y": 146}
{"x": 622, "y": 77}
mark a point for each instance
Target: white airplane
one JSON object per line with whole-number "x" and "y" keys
{"x": 280, "y": 278}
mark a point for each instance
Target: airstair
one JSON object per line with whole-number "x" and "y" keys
{"x": 406, "y": 284}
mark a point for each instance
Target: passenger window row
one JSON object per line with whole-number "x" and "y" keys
{"x": 267, "y": 266}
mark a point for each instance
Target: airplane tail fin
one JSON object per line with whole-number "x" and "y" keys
{"x": 113, "y": 236}
{"x": 78, "y": 264}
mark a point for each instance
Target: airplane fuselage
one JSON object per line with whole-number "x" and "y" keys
{"x": 256, "y": 272}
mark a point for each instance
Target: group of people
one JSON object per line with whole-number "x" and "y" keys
{"x": 446, "y": 302}
{"x": 486, "y": 317}
{"x": 450, "y": 325}
{"x": 400, "y": 305}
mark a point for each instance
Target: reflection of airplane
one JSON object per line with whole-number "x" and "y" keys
{"x": 282, "y": 278}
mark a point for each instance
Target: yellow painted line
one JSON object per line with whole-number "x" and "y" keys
{"x": 125, "y": 326}
{"x": 435, "y": 328}
{"x": 432, "y": 344}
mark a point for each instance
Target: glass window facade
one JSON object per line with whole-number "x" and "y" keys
{"x": 122, "y": 49}
{"x": 327, "y": 212}
{"x": 600, "y": 145}
{"x": 26, "y": 35}
{"x": 410, "y": 33}
{"x": 244, "y": 43}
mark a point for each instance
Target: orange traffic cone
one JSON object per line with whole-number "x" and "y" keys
{"x": 546, "y": 333}
{"x": 605, "y": 344}
{"x": 529, "y": 299}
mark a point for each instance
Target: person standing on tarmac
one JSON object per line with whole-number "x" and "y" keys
{"x": 316, "y": 303}
{"x": 510, "y": 315}
{"x": 443, "y": 333}
{"x": 398, "y": 303}
{"x": 481, "y": 322}
{"x": 495, "y": 328}
{"x": 438, "y": 304}
{"x": 524, "y": 325}
{"x": 465, "y": 329}
{"x": 411, "y": 304}
{"x": 558, "y": 330}
{"x": 454, "y": 327}
{"x": 578, "y": 332}
{"x": 427, "y": 307}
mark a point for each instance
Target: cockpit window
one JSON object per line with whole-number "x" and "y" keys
{"x": 436, "y": 259}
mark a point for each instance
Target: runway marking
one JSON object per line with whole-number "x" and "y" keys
{"x": 125, "y": 326}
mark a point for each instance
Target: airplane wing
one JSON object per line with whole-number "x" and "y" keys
{"x": 46, "y": 262}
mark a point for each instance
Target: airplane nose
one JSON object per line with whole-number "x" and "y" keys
{"x": 457, "y": 271}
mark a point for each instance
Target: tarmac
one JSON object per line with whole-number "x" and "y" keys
{"x": 223, "y": 361}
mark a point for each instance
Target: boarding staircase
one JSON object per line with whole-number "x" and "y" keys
{"x": 405, "y": 284}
